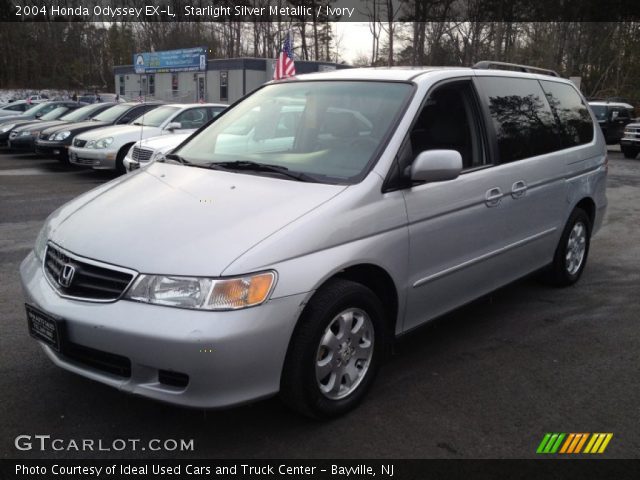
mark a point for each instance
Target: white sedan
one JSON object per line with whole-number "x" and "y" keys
{"x": 105, "y": 148}
{"x": 144, "y": 152}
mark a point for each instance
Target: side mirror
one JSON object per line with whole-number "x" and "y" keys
{"x": 38, "y": 115}
{"x": 614, "y": 115}
{"x": 436, "y": 166}
{"x": 174, "y": 126}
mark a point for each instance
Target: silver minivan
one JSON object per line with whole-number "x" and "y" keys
{"x": 284, "y": 246}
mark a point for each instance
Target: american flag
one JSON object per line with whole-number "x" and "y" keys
{"x": 284, "y": 64}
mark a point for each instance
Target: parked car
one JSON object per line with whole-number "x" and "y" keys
{"x": 145, "y": 152}
{"x": 55, "y": 141}
{"x": 102, "y": 97}
{"x": 35, "y": 113}
{"x": 296, "y": 269}
{"x": 630, "y": 141}
{"x": 105, "y": 149}
{"x": 24, "y": 136}
{"x": 612, "y": 118}
{"x": 36, "y": 99}
{"x": 12, "y": 109}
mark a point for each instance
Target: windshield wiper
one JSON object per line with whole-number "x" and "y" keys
{"x": 263, "y": 167}
{"x": 176, "y": 158}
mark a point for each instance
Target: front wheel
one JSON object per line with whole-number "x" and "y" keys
{"x": 571, "y": 253}
{"x": 335, "y": 351}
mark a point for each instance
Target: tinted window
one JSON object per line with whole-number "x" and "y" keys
{"x": 572, "y": 115}
{"x": 522, "y": 119}
{"x": 192, "y": 118}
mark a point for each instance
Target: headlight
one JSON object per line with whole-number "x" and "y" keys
{"x": 6, "y": 128}
{"x": 156, "y": 155}
{"x": 61, "y": 135}
{"x": 25, "y": 133}
{"x": 203, "y": 293}
{"x": 102, "y": 143}
{"x": 41, "y": 243}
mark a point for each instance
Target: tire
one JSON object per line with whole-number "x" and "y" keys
{"x": 120, "y": 159}
{"x": 340, "y": 313}
{"x": 570, "y": 257}
{"x": 629, "y": 152}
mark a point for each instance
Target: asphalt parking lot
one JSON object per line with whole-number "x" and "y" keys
{"x": 487, "y": 381}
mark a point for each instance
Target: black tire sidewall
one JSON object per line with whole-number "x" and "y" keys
{"x": 562, "y": 276}
{"x": 313, "y": 323}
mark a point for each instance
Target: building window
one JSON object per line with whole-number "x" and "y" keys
{"x": 121, "y": 84}
{"x": 224, "y": 89}
{"x": 152, "y": 85}
{"x": 174, "y": 83}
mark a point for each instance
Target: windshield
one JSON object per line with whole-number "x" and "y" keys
{"x": 600, "y": 111}
{"x": 55, "y": 113}
{"x": 112, "y": 114}
{"x": 155, "y": 117}
{"x": 329, "y": 130}
{"x": 80, "y": 113}
{"x": 40, "y": 107}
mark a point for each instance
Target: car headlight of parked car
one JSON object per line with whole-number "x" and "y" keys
{"x": 203, "y": 293}
{"x": 61, "y": 135}
{"x": 26, "y": 133}
{"x": 102, "y": 143}
{"x": 156, "y": 155}
{"x": 6, "y": 128}
{"x": 41, "y": 243}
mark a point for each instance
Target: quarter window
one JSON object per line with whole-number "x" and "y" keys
{"x": 572, "y": 115}
{"x": 522, "y": 119}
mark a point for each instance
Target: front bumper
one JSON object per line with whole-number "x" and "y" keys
{"x": 630, "y": 142}
{"x": 45, "y": 147}
{"x": 230, "y": 357}
{"x": 22, "y": 143}
{"x": 99, "y": 159}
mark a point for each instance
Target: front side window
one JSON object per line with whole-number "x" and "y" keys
{"x": 330, "y": 130}
{"x": 192, "y": 118}
{"x": 522, "y": 119}
{"x": 572, "y": 115}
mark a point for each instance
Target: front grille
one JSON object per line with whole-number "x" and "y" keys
{"x": 104, "y": 361}
{"x": 141, "y": 154}
{"x": 84, "y": 161}
{"x": 74, "y": 277}
{"x": 79, "y": 143}
{"x": 173, "y": 379}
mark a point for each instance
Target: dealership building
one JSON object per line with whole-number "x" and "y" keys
{"x": 217, "y": 81}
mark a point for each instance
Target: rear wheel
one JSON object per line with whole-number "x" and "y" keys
{"x": 630, "y": 152}
{"x": 335, "y": 351}
{"x": 572, "y": 250}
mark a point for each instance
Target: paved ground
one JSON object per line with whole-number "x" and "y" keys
{"x": 486, "y": 381}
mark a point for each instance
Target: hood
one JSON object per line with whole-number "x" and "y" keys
{"x": 29, "y": 125}
{"x": 15, "y": 118}
{"x": 42, "y": 125}
{"x": 78, "y": 127}
{"x": 163, "y": 142}
{"x": 121, "y": 130}
{"x": 23, "y": 123}
{"x": 179, "y": 220}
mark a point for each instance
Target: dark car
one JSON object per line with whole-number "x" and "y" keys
{"x": 612, "y": 118}
{"x": 24, "y": 136}
{"x": 57, "y": 109}
{"x": 55, "y": 141}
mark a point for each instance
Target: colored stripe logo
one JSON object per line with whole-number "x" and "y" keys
{"x": 572, "y": 443}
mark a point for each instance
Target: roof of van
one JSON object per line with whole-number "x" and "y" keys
{"x": 409, "y": 73}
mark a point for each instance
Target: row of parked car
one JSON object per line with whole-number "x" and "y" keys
{"x": 616, "y": 119}
{"x": 104, "y": 136}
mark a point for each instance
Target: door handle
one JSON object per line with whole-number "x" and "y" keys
{"x": 493, "y": 197}
{"x": 518, "y": 189}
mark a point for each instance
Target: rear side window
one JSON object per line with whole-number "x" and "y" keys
{"x": 522, "y": 119}
{"x": 572, "y": 115}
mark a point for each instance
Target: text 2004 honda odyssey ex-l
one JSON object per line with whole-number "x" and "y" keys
{"x": 293, "y": 238}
